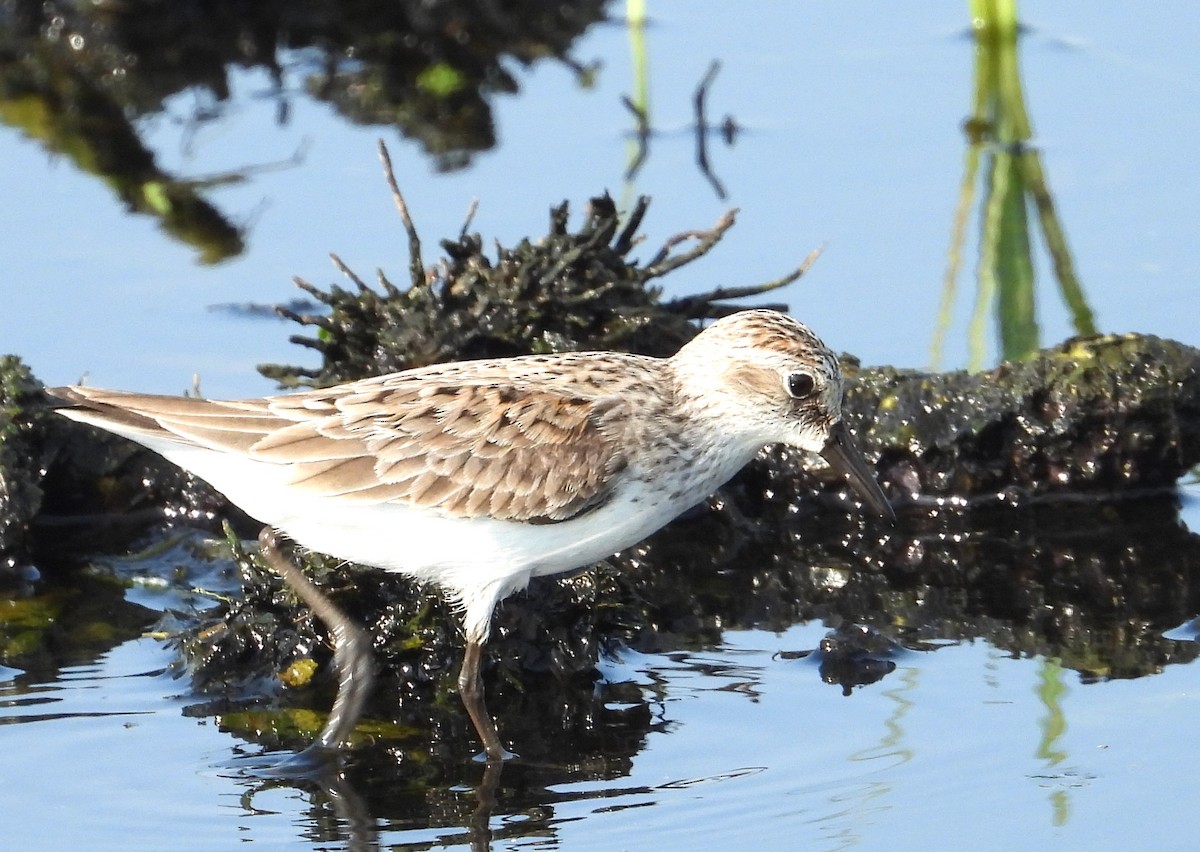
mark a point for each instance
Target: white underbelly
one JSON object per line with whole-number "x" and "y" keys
{"x": 421, "y": 542}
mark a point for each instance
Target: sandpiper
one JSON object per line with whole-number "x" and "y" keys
{"x": 479, "y": 475}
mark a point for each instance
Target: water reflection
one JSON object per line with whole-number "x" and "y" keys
{"x": 65, "y": 622}
{"x": 1052, "y": 690}
{"x": 443, "y": 795}
{"x": 1087, "y": 586}
{"x": 727, "y": 130}
{"x": 1093, "y": 594}
{"x": 82, "y": 78}
{"x": 639, "y": 105}
{"x": 892, "y": 750}
{"x": 1000, "y": 148}
{"x": 380, "y": 796}
{"x": 580, "y": 741}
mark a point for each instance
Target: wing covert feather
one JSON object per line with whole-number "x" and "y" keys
{"x": 469, "y": 439}
{"x": 515, "y": 453}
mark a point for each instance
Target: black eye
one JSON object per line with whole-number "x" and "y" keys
{"x": 800, "y": 385}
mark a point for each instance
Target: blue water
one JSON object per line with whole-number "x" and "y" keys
{"x": 852, "y": 114}
{"x": 950, "y": 750}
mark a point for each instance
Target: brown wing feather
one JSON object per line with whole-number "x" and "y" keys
{"x": 514, "y": 453}
{"x": 463, "y": 439}
{"x": 224, "y": 426}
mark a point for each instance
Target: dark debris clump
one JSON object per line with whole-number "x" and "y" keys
{"x": 568, "y": 291}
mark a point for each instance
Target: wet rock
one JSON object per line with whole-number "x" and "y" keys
{"x": 66, "y": 487}
{"x": 1096, "y": 414}
{"x": 852, "y": 655}
{"x": 21, "y": 460}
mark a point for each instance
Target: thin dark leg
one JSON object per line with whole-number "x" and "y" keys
{"x": 352, "y": 659}
{"x": 470, "y": 688}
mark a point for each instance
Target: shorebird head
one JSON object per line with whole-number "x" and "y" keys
{"x": 777, "y": 382}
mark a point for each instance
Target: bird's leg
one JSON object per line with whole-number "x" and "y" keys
{"x": 351, "y": 648}
{"x": 470, "y": 689}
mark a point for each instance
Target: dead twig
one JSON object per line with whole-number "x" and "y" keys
{"x": 348, "y": 272}
{"x": 471, "y": 210}
{"x": 662, "y": 263}
{"x": 705, "y": 305}
{"x": 416, "y": 266}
